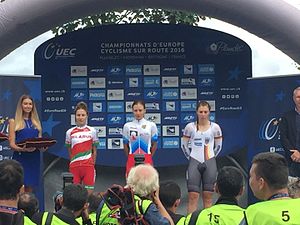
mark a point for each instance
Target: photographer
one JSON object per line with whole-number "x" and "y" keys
{"x": 29, "y": 204}
{"x": 139, "y": 137}
{"x": 74, "y": 205}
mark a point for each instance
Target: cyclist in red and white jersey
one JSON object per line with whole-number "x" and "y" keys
{"x": 81, "y": 142}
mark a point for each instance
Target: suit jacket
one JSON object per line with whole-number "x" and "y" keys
{"x": 288, "y": 132}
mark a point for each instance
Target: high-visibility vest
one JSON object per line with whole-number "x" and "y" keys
{"x": 279, "y": 212}
{"x": 106, "y": 215}
{"x": 181, "y": 221}
{"x": 220, "y": 214}
{"x": 27, "y": 221}
{"x": 54, "y": 220}
{"x": 92, "y": 217}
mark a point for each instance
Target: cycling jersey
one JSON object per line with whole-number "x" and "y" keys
{"x": 81, "y": 141}
{"x": 139, "y": 134}
{"x": 203, "y": 142}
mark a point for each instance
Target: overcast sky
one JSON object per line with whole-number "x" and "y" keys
{"x": 265, "y": 57}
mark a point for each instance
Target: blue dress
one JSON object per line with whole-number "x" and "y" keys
{"x": 29, "y": 160}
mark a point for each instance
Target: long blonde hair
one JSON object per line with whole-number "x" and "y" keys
{"x": 33, "y": 115}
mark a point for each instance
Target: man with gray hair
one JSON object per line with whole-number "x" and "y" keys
{"x": 143, "y": 180}
{"x": 290, "y": 135}
{"x": 137, "y": 203}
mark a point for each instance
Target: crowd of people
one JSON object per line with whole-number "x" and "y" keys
{"x": 158, "y": 202}
{"x": 155, "y": 203}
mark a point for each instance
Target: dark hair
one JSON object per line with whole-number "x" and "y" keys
{"x": 94, "y": 200}
{"x": 28, "y": 203}
{"x": 136, "y": 102}
{"x": 74, "y": 197}
{"x": 230, "y": 181}
{"x": 203, "y": 103}
{"x": 11, "y": 179}
{"x": 169, "y": 192}
{"x": 81, "y": 105}
{"x": 273, "y": 168}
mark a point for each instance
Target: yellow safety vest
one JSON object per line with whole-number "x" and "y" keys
{"x": 92, "y": 217}
{"x": 279, "y": 212}
{"x": 181, "y": 221}
{"x": 27, "y": 221}
{"x": 220, "y": 214}
{"x": 55, "y": 220}
{"x": 106, "y": 216}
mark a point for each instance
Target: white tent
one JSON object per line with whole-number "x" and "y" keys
{"x": 273, "y": 20}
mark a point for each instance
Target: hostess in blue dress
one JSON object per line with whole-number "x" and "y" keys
{"x": 29, "y": 160}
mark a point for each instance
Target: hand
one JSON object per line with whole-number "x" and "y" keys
{"x": 43, "y": 149}
{"x": 29, "y": 149}
{"x": 155, "y": 196}
{"x": 295, "y": 156}
{"x": 85, "y": 212}
{"x": 18, "y": 149}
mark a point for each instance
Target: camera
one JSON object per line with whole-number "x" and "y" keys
{"x": 139, "y": 159}
{"x": 57, "y": 197}
{"x": 67, "y": 179}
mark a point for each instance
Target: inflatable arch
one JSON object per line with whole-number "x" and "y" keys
{"x": 273, "y": 20}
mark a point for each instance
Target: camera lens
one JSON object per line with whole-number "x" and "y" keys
{"x": 139, "y": 159}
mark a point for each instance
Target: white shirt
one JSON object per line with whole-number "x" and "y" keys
{"x": 139, "y": 134}
{"x": 202, "y": 142}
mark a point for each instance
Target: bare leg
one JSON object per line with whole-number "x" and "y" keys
{"x": 192, "y": 202}
{"x": 207, "y": 199}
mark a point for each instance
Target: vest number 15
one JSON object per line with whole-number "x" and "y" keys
{"x": 215, "y": 218}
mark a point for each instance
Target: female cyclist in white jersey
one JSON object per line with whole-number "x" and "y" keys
{"x": 205, "y": 139}
{"x": 139, "y": 137}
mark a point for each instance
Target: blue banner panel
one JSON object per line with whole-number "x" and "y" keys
{"x": 268, "y": 99}
{"x": 171, "y": 67}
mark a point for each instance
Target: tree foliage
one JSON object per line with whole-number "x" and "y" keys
{"x": 130, "y": 16}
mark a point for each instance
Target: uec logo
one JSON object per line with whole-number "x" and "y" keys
{"x": 269, "y": 129}
{"x": 3, "y": 124}
{"x": 57, "y": 51}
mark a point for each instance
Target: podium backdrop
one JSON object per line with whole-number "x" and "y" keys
{"x": 171, "y": 67}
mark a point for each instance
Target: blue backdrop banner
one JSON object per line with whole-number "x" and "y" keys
{"x": 268, "y": 99}
{"x": 171, "y": 67}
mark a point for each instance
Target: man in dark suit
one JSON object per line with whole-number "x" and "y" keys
{"x": 290, "y": 135}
